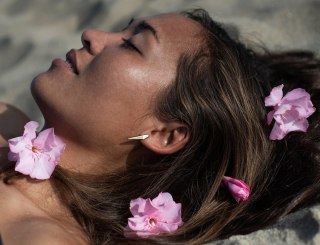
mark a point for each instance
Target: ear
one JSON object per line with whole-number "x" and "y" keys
{"x": 167, "y": 138}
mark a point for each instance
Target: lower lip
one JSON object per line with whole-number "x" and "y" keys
{"x": 61, "y": 63}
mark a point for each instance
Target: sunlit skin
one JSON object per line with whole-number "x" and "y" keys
{"x": 111, "y": 98}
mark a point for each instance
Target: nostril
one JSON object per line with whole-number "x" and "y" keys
{"x": 86, "y": 45}
{"x": 86, "y": 41}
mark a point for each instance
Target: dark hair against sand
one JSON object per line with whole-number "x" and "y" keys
{"x": 219, "y": 94}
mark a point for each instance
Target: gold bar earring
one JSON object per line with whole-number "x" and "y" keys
{"x": 139, "y": 137}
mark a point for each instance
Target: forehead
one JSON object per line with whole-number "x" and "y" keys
{"x": 176, "y": 31}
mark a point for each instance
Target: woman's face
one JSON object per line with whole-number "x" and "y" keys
{"x": 107, "y": 95}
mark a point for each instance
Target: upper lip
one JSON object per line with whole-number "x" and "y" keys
{"x": 72, "y": 58}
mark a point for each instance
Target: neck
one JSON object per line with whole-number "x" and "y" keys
{"x": 81, "y": 159}
{"x": 91, "y": 155}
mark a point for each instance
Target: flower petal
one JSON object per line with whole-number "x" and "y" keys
{"x": 138, "y": 223}
{"x": 44, "y": 139}
{"x": 275, "y": 96}
{"x": 149, "y": 208}
{"x": 270, "y": 117}
{"x": 58, "y": 147}
{"x": 137, "y": 206}
{"x": 51, "y": 144}
{"x": 301, "y": 99}
{"x": 301, "y": 105}
{"x": 43, "y": 168}
{"x": 297, "y": 125}
{"x": 171, "y": 213}
{"x": 310, "y": 108}
{"x": 25, "y": 162}
{"x": 287, "y": 117}
{"x": 277, "y": 133}
{"x": 165, "y": 227}
{"x": 162, "y": 199}
{"x": 19, "y": 143}
{"x": 168, "y": 210}
{"x": 296, "y": 94}
{"x": 138, "y": 227}
{"x": 129, "y": 233}
{"x": 30, "y": 129}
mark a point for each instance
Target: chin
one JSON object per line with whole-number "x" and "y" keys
{"x": 43, "y": 94}
{"x": 37, "y": 90}
{"x": 51, "y": 104}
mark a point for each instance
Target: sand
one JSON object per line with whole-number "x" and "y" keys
{"x": 33, "y": 32}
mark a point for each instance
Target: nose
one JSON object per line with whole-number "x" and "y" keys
{"x": 95, "y": 41}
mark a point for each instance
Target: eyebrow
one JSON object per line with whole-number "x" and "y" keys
{"x": 145, "y": 26}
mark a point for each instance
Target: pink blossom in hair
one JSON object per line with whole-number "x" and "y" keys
{"x": 238, "y": 189}
{"x": 290, "y": 112}
{"x": 34, "y": 155}
{"x": 153, "y": 217}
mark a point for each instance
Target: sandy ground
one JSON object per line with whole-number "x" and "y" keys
{"x": 33, "y": 32}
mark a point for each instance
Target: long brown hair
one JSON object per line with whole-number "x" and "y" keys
{"x": 219, "y": 94}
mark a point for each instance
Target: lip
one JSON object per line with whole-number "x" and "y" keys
{"x": 71, "y": 57}
{"x": 62, "y": 63}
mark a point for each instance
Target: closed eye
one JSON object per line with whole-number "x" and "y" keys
{"x": 129, "y": 45}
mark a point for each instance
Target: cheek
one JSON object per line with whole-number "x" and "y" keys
{"x": 119, "y": 78}
{"x": 118, "y": 96}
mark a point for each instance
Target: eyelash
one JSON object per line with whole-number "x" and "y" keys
{"x": 128, "y": 44}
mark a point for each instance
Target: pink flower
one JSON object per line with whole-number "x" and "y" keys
{"x": 153, "y": 217}
{"x": 290, "y": 112}
{"x": 36, "y": 156}
{"x": 238, "y": 189}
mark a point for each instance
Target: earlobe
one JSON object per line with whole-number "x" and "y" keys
{"x": 167, "y": 140}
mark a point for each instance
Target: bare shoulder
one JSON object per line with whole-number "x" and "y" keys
{"x": 23, "y": 222}
{"x": 12, "y": 121}
{"x": 42, "y": 231}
